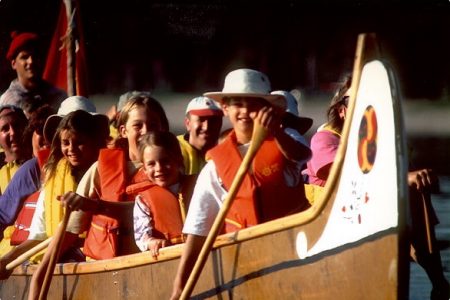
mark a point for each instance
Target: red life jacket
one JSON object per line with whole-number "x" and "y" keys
{"x": 25, "y": 216}
{"x": 107, "y": 237}
{"x": 165, "y": 209}
{"x": 263, "y": 195}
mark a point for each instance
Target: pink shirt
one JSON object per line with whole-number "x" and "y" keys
{"x": 324, "y": 145}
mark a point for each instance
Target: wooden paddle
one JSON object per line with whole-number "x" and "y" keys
{"x": 54, "y": 255}
{"x": 258, "y": 137}
{"x": 26, "y": 255}
{"x": 427, "y": 198}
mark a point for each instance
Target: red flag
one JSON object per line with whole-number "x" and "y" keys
{"x": 56, "y": 66}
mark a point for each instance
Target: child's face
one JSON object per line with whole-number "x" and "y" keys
{"x": 160, "y": 168}
{"x": 78, "y": 149}
{"x": 241, "y": 112}
{"x": 138, "y": 124}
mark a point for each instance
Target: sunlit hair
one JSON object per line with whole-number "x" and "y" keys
{"x": 77, "y": 122}
{"x": 164, "y": 139}
{"x": 339, "y": 99}
{"x": 150, "y": 104}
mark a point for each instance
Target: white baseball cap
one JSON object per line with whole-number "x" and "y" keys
{"x": 203, "y": 107}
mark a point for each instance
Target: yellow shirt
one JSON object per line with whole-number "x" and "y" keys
{"x": 6, "y": 173}
{"x": 193, "y": 160}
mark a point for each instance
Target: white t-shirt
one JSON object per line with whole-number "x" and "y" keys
{"x": 37, "y": 227}
{"x": 206, "y": 200}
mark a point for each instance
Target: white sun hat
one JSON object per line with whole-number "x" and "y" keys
{"x": 76, "y": 103}
{"x": 250, "y": 84}
{"x": 69, "y": 105}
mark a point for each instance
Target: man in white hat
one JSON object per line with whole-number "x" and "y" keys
{"x": 203, "y": 122}
{"x": 272, "y": 189}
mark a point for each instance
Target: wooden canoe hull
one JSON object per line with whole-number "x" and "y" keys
{"x": 272, "y": 268}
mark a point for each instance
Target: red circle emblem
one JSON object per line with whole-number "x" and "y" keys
{"x": 367, "y": 140}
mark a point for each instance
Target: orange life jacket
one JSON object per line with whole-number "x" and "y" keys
{"x": 107, "y": 237}
{"x": 25, "y": 216}
{"x": 263, "y": 195}
{"x": 166, "y": 210}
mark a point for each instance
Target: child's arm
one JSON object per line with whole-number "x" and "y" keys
{"x": 110, "y": 208}
{"x": 142, "y": 221}
{"x": 292, "y": 149}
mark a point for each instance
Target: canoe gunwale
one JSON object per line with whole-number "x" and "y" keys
{"x": 174, "y": 252}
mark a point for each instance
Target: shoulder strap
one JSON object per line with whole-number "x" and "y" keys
{"x": 112, "y": 169}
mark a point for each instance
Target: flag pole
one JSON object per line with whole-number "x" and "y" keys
{"x": 70, "y": 48}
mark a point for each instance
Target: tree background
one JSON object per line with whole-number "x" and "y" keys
{"x": 189, "y": 46}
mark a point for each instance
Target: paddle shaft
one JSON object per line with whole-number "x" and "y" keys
{"x": 54, "y": 256}
{"x": 426, "y": 198}
{"x": 26, "y": 255}
{"x": 258, "y": 137}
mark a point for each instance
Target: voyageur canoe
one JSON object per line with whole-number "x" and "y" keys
{"x": 349, "y": 245}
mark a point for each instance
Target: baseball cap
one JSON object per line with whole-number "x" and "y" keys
{"x": 203, "y": 106}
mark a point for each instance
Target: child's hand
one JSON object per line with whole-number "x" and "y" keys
{"x": 155, "y": 244}
{"x": 74, "y": 201}
{"x": 268, "y": 118}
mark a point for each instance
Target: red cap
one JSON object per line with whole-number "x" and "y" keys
{"x": 19, "y": 41}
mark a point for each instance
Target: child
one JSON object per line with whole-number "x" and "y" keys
{"x": 74, "y": 148}
{"x": 325, "y": 142}
{"x": 245, "y": 99}
{"x": 100, "y": 206}
{"x": 160, "y": 207}
{"x": 23, "y": 191}
{"x": 100, "y": 199}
